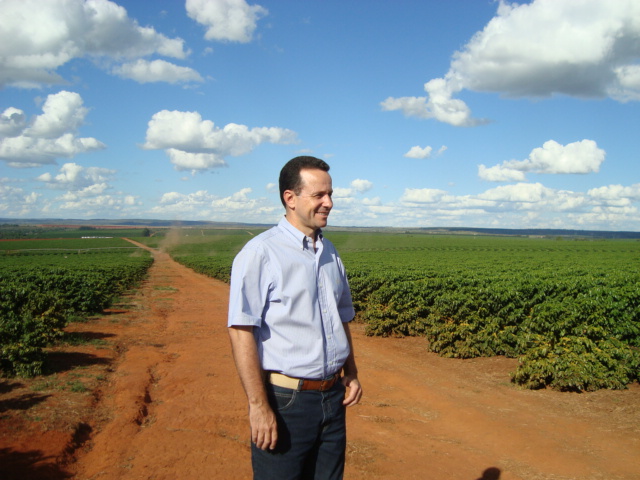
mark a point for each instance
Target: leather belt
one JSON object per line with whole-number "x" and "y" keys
{"x": 285, "y": 381}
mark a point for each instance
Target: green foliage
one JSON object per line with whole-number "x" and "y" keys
{"x": 569, "y": 310}
{"x": 39, "y": 292}
{"x": 578, "y": 363}
{"x": 64, "y": 246}
{"x": 30, "y": 232}
{"x": 210, "y": 252}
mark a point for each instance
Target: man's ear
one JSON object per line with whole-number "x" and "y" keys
{"x": 289, "y": 199}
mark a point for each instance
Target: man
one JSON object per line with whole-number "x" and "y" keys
{"x": 289, "y": 309}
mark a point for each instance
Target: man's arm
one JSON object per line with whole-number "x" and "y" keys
{"x": 264, "y": 431}
{"x": 350, "y": 379}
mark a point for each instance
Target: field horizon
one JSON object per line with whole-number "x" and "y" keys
{"x": 459, "y": 230}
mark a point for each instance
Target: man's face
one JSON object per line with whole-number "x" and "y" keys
{"x": 310, "y": 209}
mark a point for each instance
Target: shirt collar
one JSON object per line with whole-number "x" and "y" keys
{"x": 299, "y": 237}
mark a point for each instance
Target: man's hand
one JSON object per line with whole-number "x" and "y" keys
{"x": 354, "y": 392}
{"x": 350, "y": 371}
{"x": 264, "y": 428}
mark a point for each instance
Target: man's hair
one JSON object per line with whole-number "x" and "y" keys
{"x": 290, "y": 178}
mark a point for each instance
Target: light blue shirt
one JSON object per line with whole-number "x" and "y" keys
{"x": 296, "y": 297}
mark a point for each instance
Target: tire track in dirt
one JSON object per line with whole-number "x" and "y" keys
{"x": 176, "y": 408}
{"x": 177, "y": 411}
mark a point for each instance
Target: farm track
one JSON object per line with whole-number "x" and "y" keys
{"x": 173, "y": 408}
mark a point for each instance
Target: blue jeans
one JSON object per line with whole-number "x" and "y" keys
{"x": 312, "y": 436}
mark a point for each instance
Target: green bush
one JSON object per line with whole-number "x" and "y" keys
{"x": 569, "y": 311}
{"x": 35, "y": 302}
{"x": 578, "y": 364}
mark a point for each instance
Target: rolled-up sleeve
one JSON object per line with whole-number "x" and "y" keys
{"x": 249, "y": 289}
{"x": 345, "y": 303}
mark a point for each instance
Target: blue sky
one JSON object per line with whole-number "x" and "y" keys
{"x": 470, "y": 113}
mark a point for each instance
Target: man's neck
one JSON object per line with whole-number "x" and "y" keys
{"x": 313, "y": 234}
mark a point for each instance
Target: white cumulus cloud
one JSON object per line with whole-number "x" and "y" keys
{"x": 519, "y": 193}
{"x": 237, "y": 205}
{"x": 196, "y": 144}
{"x": 360, "y": 185}
{"x": 49, "y": 136}
{"x": 144, "y": 71}
{"x": 12, "y": 122}
{"x": 344, "y": 195}
{"x": 616, "y": 194}
{"x": 85, "y": 205}
{"x": 552, "y": 158}
{"x": 439, "y": 105}
{"x": 422, "y": 195}
{"x": 37, "y": 37}
{"x": 586, "y": 48}
{"x": 499, "y": 173}
{"x": 420, "y": 153}
{"x": 75, "y": 177}
{"x": 226, "y": 20}
{"x": 14, "y": 201}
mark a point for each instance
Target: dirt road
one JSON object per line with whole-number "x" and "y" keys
{"x": 173, "y": 407}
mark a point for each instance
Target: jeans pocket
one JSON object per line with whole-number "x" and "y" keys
{"x": 283, "y": 398}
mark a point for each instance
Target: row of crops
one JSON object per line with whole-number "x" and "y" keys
{"x": 568, "y": 309}
{"x": 44, "y": 283}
